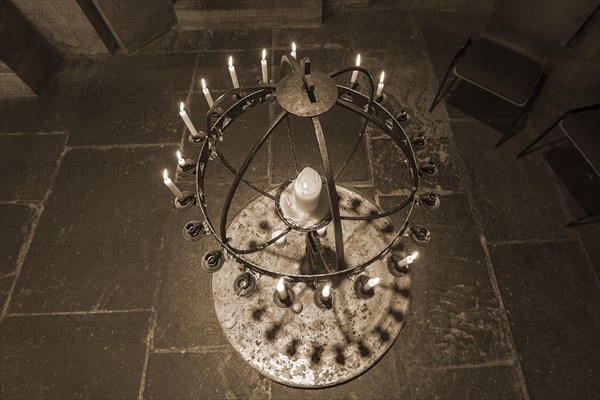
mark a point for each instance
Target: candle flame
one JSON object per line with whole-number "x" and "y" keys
{"x": 326, "y": 292}
{"x": 358, "y": 60}
{"x": 293, "y": 46}
{"x": 181, "y": 105}
{"x": 280, "y": 286}
{"x": 382, "y": 76}
{"x": 165, "y": 174}
{"x": 231, "y": 61}
{"x": 203, "y": 82}
{"x": 414, "y": 255}
{"x": 264, "y": 54}
{"x": 179, "y": 156}
{"x": 373, "y": 281}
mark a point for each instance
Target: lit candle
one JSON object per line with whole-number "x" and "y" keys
{"x": 187, "y": 120}
{"x": 281, "y": 290}
{"x": 180, "y": 160}
{"x": 279, "y": 242}
{"x": 234, "y": 78}
{"x": 171, "y": 185}
{"x": 371, "y": 283}
{"x": 408, "y": 259}
{"x": 207, "y": 94}
{"x": 380, "y": 86}
{"x": 263, "y": 65}
{"x": 307, "y": 190}
{"x": 293, "y": 53}
{"x": 322, "y": 232}
{"x": 355, "y": 73}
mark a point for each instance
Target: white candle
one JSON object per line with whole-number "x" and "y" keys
{"x": 371, "y": 283}
{"x": 263, "y": 65}
{"x": 187, "y": 120}
{"x": 380, "y": 86}
{"x": 180, "y": 159}
{"x": 326, "y": 292}
{"x": 408, "y": 259}
{"x": 279, "y": 242}
{"x": 307, "y": 190}
{"x": 172, "y": 186}
{"x": 293, "y": 53}
{"x": 355, "y": 73}
{"x": 322, "y": 232}
{"x": 234, "y": 78}
{"x": 281, "y": 290}
{"x": 206, "y": 92}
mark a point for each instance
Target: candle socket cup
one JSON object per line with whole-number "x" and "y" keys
{"x": 287, "y": 301}
{"x": 402, "y": 116}
{"x": 381, "y": 99}
{"x": 244, "y": 285}
{"x": 395, "y": 269}
{"x": 217, "y": 112}
{"x": 193, "y": 231}
{"x": 212, "y": 261}
{"x": 321, "y": 302}
{"x": 237, "y": 96}
{"x": 428, "y": 170}
{"x": 419, "y": 142}
{"x": 266, "y": 83}
{"x": 197, "y": 140}
{"x": 359, "y": 288}
{"x": 186, "y": 202}
{"x": 429, "y": 201}
{"x": 188, "y": 168}
{"x": 419, "y": 234}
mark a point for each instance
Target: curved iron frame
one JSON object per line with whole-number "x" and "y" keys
{"x": 248, "y": 98}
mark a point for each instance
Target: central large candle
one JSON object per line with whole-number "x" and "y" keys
{"x": 307, "y": 190}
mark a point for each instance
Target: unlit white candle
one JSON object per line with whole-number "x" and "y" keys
{"x": 408, "y": 259}
{"x": 322, "y": 232}
{"x": 371, "y": 283}
{"x": 355, "y": 73}
{"x": 307, "y": 190}
{"x": 234, "y": 78}
{"x": 279, "y": 242}
{"x": 187, "y": 120}
{"x": 380, "y": 86}
{"x": 281, "y": 290}
{"x": 293, "y": 53}
{"x": 206, "y": 92}
{"x": 263, "y": 65}
{"x": 176, "y": 192}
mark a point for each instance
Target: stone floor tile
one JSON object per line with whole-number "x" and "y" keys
{"x": 97, "y": 253}
{"x": 379, "y": 382}
{"x": 221, "y": 39}
{"x": 336, "y": 34}
{"x": 28, "y": 165}
{"x": 391, "y": 172}
{"x": 15, "y": 224}
{"x": 516, "y": 199}
{"x": 493, "y": 383}
{"x": 454, "y": 316}
{"x": 552, "y": 300}
{"x": 73, "y": 356}
{"x": 214, "y": 375}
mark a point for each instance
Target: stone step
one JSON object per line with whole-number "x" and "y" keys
{"x": 199, "y": 14}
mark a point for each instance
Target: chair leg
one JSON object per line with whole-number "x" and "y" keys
{"x": 438, "y": 95}
{"x": 587, "y": 219}
{"x": 526, "y": 151}
{"x": 455, "y": 60}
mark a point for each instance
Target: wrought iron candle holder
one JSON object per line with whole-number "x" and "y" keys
{"x": 298, "y": 304}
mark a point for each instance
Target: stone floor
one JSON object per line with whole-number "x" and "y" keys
{"x": 505, "y": 300}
